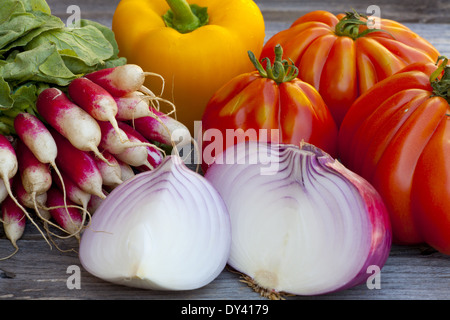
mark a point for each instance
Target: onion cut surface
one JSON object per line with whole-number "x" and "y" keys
{"x": 166, "y": 229}
{"x": 301, "y": 222}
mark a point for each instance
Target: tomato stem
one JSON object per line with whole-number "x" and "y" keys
{"x": 280, "y": 71}
{"x": 349, "y": 26}
{"x": 183, "y": 17}
{"x": 441, "y": 86}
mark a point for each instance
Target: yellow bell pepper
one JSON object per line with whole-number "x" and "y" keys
{"x": 196, "y": 46}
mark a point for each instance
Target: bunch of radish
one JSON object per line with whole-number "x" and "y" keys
{"x": 82, "y": 144}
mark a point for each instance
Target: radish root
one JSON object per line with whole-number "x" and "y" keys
{"x": 163, "y": 81}
{"x": 25, "y": 211}
{"x": 14, "y": 244}
{"x": 97, "y": 152}
{"x": 16, "y": 247}
{"x": 75, "y": 234}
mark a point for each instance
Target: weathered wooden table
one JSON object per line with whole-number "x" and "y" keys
{"x": 411, "y": 272}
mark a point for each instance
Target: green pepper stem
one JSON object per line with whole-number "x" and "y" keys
{"x": 184, "y": 17}
{"x": 349, "y": 26}
{"x": 441, "y": 87}
{"x": 280, "y": 71}
{"x": 182, "y": 14}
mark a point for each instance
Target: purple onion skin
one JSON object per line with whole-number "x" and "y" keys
{"x": 381, "y": 233}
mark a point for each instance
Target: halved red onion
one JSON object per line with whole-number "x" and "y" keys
{"x": 165, "y": 229}
{"x": 301, "y": 222}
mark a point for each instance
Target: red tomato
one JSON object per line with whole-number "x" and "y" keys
{"x": 397, "y": 136}
{"x": 290, "y": 110}
{"x": 342, "y": 58}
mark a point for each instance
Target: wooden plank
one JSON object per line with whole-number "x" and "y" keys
{"x": 37, "y": 272}
{"x": 411, "y": 272}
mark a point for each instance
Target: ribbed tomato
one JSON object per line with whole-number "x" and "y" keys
{"x": 269, "y": 104}
{"x": 397, "y": 136}
{"x": 342, "y": 58}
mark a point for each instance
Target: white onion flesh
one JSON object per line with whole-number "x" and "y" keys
{"x": 301, "y": 223}
{"x": 164, "y": 229}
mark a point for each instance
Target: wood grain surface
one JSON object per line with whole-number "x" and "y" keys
{"x": 411, "y": 272}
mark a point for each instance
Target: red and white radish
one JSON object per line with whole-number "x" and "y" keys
{"x": 136, "y": 105}
{"x": 37, "y": 203}
{"x": 8, "y": 162}
{"x": 78, "y": 165}
{"x": 8, "y": 169}
{"x": 38, "y": 139}
{"x": 134, "y": 151}
{"x": 36, "y": 176}
{"x": 122, "y": 79}
{"x": 70, "y": 120}
{"x": 95, "y": 100}
{"x": 154, "y": 158}
{"x": 111, "y": 175}
{"x": 14, "y": 221}
{"x": 74, "y": 193}
{"x": 135, "y": 156}
{"x": 127, "y": 171}
{"x": 69, "y": 218}
{"x": 132, "y": 106}
{"x": 94, "y": 203}
{"x": 3, "y": 191}
{"x": 111, "y": 142}
{"x": 163, "y": 129}
{"x": 153, "y": 155}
